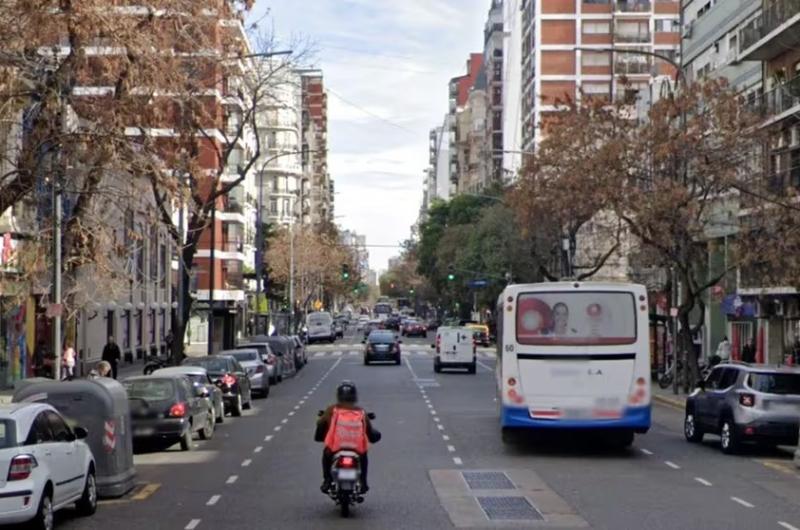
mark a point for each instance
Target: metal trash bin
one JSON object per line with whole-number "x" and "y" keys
{"x": 101, "y": 406}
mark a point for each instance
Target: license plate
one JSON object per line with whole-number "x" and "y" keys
{"x": 576, "y": 414}
{"x": 143, "y": 431}
{"x": 347, "y": 474}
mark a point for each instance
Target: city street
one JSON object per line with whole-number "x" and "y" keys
{"x": 263, "y": 470}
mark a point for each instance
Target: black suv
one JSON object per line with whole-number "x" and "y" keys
{"x": 745, "y": 403}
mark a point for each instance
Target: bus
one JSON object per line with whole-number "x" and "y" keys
{"x": 382, "y": 310}
{"x": 574, "y": 355}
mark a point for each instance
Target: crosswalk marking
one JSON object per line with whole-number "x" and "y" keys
{"x": 405, "y": 353}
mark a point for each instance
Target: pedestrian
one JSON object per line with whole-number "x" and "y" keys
{"x": 749, "y": 352}
{"x": 112, "y": 355}
{"x": 102, "y": 369}
{"x": 724, "y": 350}
{"x": 68, "y": 359}
{"x": 168, "y": 340}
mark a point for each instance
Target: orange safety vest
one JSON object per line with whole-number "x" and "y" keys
{"x": 347, "y": 431}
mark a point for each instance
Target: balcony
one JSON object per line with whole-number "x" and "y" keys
{"x": 632, "y": 38}
{"x": 632, "y": 6}
{"x": 776, "y": 31}
{"x": 633, "y": 68}
{"x": 781, "y": 99}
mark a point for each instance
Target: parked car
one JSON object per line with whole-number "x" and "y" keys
{"x": 480, "y": 333}
{"x": 743, "y": 403}
{"x": 338, "y": 329}
{"x": 256, "y": 369}
{"x": 300, "y": 354}
{"x": 320, "y": 327}
{"x": 199, "y": 376}
{"x": 362, "y": 322}
{"x": 382, "y": 345}
{"x": 168, "y": 408}
{"x": 414, "y": 328}
{"x": 230, "y": 377}
{"x": 271, "y": 359}
{"x": 283, "y": 347}
{"x": 49, "y": 466}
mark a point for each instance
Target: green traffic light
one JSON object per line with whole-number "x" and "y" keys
{"x": 451, "y": 277}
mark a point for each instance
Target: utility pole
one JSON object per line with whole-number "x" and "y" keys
{"x": 259, "y": 265}
{"x": 57, "y": 302}
{"x": 291, "y": 277}
{"x": 211, "y": 275}
{"x": 177, "y": 342}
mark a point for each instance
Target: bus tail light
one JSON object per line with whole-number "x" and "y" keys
{"x": 515, "y": 397}
{"x": 639, "y": 393}
{"x": 512, "y": 381}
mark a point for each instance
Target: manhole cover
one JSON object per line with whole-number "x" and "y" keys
{"x": 487, "y": 480}
{"x": 509, "y": 509}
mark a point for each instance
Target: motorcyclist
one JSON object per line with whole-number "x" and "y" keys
{"x": 346, "y": 399}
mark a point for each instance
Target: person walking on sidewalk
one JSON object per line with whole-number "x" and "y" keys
{"x": 724, "y": 350}
{"x": 749, "y": 352}
{"x": 112, "y": 355}
{"x": 69, "y": 358}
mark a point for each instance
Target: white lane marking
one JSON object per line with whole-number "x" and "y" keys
{"x": 232, "y": 479}
{"x": 457, "y": 461}
{"x": 213, "y": 500}
{"x": 268, "y": 438}
{"x": 703, "y": 481}
{"x": 301, "y": 402}
{"x": 445, "y": 438}
{"x": 411, "y": 369}
{"x": 291, "y": 413}
{"x": 337, "y": 354}
{"x": 487, "y": 368}
{"x": 429, "y": 405}
{"x": 194, "y": 523}
{"x": 247, "y": 462}
{"x": 285, "y": 421}
{"x": 451, "y": 448}
{"x": 742, "y": 502}
{"x": 320, "y": 354}
{"x": 647, "y": 452}
{"x": 787, "y": 526}
{"x": 297, "y": 407}
{"x": 258, "y": 449}
{"x": 433, "y": 412}
{"x": 277, "y": 428}
{"x": 436, "y": 419}
{"x": 673, "y": 465}
{"x": 441, "y": 427}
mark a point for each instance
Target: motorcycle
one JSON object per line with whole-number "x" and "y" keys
{"x": 155, "y": 362}
{"x": 346, "y": 489}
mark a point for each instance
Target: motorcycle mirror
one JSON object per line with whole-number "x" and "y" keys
{"x": 320, "y": 413}
{"x": 371, "y": 415}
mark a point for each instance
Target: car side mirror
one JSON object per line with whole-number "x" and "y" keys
{"x": 701, "y": 384}
{"x": 80, "y": 433}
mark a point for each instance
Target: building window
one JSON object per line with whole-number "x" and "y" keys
{"x": 152, "y": 326}
{"x": 497, "y": 68}
{"x": 590, "y": 28}
{"x": 275, "y": 184}
{"x": 286, "y": 209}
{"x": 667, "y": 25}
{"x": 273, "y": 206}
{"x": 595, "y": 88}
{"x": 126, "y": 331}
{"x": 596, "y": 59}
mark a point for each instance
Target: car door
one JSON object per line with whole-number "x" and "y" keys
{"x": 702, "y": 401}
{"x": 66, "y": 446}
{"x": 241, "y": 376}
{"x": 198, "y": 406}
{"x": 717, "y": 399}
{"x": 43, "y": 447}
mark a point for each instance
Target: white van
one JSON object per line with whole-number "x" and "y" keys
{"x": 455, "y": 348}
{"x": 320, "y": 327}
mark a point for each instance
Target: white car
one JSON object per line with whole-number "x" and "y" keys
{"x": 44, "y": 466}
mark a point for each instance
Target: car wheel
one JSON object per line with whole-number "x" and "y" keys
{"x": 87, "y": 504}
{"x": 249, "y": 403}
{"x": 473, "y": 368}
{"x": 273, "y": 380}
{"x": 280, "y": 378}
{"x": 399, "y": 360}
{"x": 43, "y": 520}
{"x": 237, "y": 407}
{"x": 208, "y": 430}
{"x": 509, "y": 436}
{"x": 220, "y": 415}
{"x": 186, "y": 440}
{"x": 437, "y": 366}
{"x": 265, "y": 392}
{"x": 729, "y": 441}
{"x": 691, "y": 430}
{"x": 366, "y": 361}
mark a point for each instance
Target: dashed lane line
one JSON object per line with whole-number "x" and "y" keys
{"x": 232, "y": 479}
{"x": 703, "y": 481}
{"x": 673, "y": 465}
{"x": 451, "y": 449}
{"x": 457, "y": 461}
{"x": 647, "y": 452}
{"x": 277, "y": 428}
{"x": 258, "y": 449}
{"x": 246, "y": 462}
{"x": 743, "y": 502}
{"x": 268, "y": 438}
{"x": 445, "y": 438}
{"x": 213, "y": 500}
{"x": 440, "y": 427}
{"x": 787, "y": 526}
{"x": 285, "y": 421}
{"x": 194, "y": 523}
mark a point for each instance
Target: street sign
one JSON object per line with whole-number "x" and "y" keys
{"x": 476, "y": 284}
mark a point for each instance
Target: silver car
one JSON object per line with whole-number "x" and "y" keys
{"x": 270, "y": 358}
{"x": 256, "y": 369}
{"x": 745, "y": 403}
{"x": 199, "y": 376}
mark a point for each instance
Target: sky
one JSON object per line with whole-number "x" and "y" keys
{"x": 386, "y": 65}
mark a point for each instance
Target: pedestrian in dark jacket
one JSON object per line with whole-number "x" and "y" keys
{"x": 346, "y": 398}
{"x": 749, "y": 352}
{"x": 112, "y": 355}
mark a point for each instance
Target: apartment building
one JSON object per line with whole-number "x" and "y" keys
{"x": 459, "y": 90}
{"x": 512, "y": 112}
{"x": 493, "y": 65}
{"x": 576, "y": 48}
{"x": 320, "y": 187}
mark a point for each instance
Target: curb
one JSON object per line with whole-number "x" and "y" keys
{"x": 677, "y": 403}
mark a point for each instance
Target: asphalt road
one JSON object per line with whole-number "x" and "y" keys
{"x": 263, "y": 470}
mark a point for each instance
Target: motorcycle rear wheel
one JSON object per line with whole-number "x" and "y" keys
{"x": 345, "y": 508}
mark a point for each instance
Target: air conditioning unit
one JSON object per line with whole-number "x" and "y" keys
{"x": 687, "y": 29}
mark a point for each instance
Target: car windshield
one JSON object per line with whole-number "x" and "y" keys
{"x": 243, "y": 356}
{"x": 774, "y": 383}
{"x": 212, "y": 364}
{"x": 381, "y": 336}
{"x": 150, "y": 389}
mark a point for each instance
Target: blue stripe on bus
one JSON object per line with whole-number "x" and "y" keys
{"x": 632, "y": 418}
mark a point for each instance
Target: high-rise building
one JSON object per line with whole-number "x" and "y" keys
{"x": 576, "y": 48}
{"x": 459, "y": 89}
{"x": 319, "y": 186}
{"x": 493, "y": 58}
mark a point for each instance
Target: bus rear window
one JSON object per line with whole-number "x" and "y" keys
{"x": 576, "y": 318}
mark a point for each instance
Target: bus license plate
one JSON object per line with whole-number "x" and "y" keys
{"x": 347, "y": 474}
{"x": 576, "y": 414}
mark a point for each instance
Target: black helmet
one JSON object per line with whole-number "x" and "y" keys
{"x": 346, "y": 392}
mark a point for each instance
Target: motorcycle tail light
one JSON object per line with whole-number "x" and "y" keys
{"x": 747, "y": 400}
{"x": 347, "y": 462}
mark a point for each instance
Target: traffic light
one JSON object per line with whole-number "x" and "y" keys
{"x": 451, "y": 277}
{"x": 345, "y": 272}
{"x": 411, "y": 291}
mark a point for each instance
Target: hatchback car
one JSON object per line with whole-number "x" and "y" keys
{"x": 199, "y": 376}
{"x": 168, "y": 408}
{"x": 382, "y": 346}
{"x": 49, "y": 466}
{"x": 414, "y": 328}
{"x": 230, "y": 377}
{"x": 743, "y": 403}
{"x": 300, "y": 354}
{"x": 272, "y": 361}
{"x": 256, "y": 369}
{"x": 283, "y": 347}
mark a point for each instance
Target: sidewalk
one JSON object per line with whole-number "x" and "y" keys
{"x": 667, "y": 397}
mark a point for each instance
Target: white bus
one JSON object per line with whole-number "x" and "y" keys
{"x": 574, "y": 355}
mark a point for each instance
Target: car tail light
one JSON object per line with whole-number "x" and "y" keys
{"x": 260, "y": 369}
{"x": 21, "y": 467}
{"x": 228, "y": 380}
{"x": 747, "y": 400}
{"x": 438, "y": 342}
{"x": 347, "y": 461}
{"x": 271, "y": 359}
{"x": 178, "y": 410}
